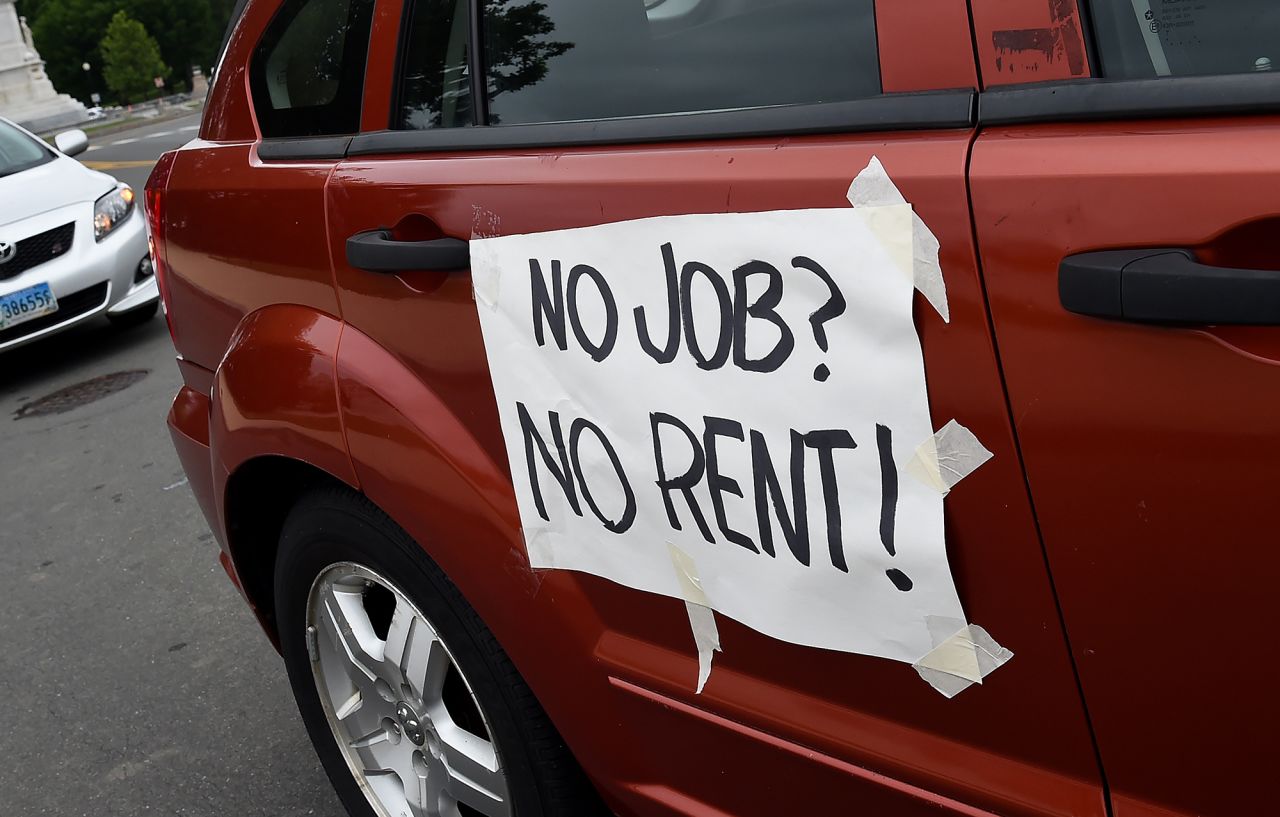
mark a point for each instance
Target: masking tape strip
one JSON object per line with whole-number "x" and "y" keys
{"x": 485, "y": 289}
{"x": 873, "y": 188}
{"x": 962, "y": 655}
{"x": 702, "y": 619}
{"x": 947, "y": 457}
{"x": 891, "y": 225}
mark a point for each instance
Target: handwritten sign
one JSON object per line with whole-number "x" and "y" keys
{"x": 747, "y": 387}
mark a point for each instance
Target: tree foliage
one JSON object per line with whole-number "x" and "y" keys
{"x": 130, "y": 59}
{"x": 68, "y": 32}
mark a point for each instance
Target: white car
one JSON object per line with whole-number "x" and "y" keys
{"x": 73, "y": 241}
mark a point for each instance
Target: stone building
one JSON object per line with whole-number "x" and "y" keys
{"x": 26, "y": 94}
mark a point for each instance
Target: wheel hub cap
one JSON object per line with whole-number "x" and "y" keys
{"x": 410, "y": 723}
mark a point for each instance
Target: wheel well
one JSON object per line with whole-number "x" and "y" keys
{"x": 259, "y": 496}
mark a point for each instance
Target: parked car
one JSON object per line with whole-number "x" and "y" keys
{"x": 339, "y": 426}
{"x": 73, "y": 244}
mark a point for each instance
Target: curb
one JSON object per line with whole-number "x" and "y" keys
{"x": 128, "y": 124}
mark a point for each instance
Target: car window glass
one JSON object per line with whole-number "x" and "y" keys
{"x": 308, "y": 70}
{"x": 19, "y": 151}
{"x": 435, "y": 89}
{"x": 1148, "y": 38}
{"x": 563, "y": 60}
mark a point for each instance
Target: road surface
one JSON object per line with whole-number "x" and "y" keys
{"x": 136, "y": 680}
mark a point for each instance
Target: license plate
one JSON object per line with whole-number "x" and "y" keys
{"x": 26, "y": 304}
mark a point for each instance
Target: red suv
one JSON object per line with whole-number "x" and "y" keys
{"x": 562, "y": 380}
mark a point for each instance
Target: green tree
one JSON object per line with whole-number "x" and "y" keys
{"x": 130, "y": 58}
{"x": 67, "y": 33}
{"x": 183, "y": 29}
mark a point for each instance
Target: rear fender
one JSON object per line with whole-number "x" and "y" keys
{"x": 275, "y": 394}
{"x": 421, "y": 464}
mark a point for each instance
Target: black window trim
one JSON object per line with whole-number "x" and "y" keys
{"x": 1086, "y": 100}
{"x": 922, "y": 110}
{"x": 304, "y": 148}
{"x": 887, "y": 112}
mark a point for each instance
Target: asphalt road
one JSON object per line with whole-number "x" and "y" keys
{"x": 135, "y": 679}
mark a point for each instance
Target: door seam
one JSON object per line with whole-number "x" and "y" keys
{"x": 975, "y": 134}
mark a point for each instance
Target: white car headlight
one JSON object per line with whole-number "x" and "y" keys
{"x": 111, "y": 210}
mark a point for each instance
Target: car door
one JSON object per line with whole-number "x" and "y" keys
{"x": 1144, "y": 381}
{"x": 790, "y": 102}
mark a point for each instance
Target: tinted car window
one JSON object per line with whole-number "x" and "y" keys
{"x": 435, "y": 90}
{"x": 19, "y": 152}
{"x": 1146, "y": 38}
{"x": 308, "y": 70}
{"x": 563, "y": 60}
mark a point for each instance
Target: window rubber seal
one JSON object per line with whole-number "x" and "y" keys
{"x": 1087, "y": 100}
{"x": 303, "y": 148}
{"x": 927, "y": 110}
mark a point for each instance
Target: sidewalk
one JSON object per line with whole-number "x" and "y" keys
{"x": 140, "y": 117}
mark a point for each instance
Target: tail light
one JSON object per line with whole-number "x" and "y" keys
{"x": 156, "y": 191}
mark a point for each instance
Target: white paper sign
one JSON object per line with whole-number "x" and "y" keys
{"x": 742, "y": 386}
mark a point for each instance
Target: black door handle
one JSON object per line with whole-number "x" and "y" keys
{"x": 377, "y": 251}
{"x": 1167, "y": 286}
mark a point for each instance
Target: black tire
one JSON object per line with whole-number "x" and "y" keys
{"x": 332, "y": 525}
{"x": 135, "y": 317}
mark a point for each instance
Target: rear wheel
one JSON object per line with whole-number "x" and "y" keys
{"x": 413, "y": 708}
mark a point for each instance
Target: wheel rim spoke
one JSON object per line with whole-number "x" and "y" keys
{"x": 474, "y": 775}
{"x": 415, "y": 650}
{"x": 349, "y": 629}
{"x": 372, "y": 688}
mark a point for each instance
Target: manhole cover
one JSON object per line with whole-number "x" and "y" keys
{"x": 81, "y": 393}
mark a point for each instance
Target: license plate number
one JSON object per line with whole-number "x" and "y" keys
{"x": 26, "y": 304}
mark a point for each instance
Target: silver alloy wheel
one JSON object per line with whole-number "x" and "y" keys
{"x": 384, "y": 699}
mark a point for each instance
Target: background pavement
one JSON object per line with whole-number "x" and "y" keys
{"x": 137, "y": 681}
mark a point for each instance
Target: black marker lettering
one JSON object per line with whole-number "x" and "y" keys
{"x": 667, "y": 353}
{"x": 683, "y": 483}
{"x": 889, "y": 503}
{"x": 718, "y": 483}
{"x": 724, "y": 341}
{"x": 560, "y": 471}
{"x": 601, "y": 350}
{"x": 825, "y": 442}
{"x": 550, "y": 306}
{"x": 629, "y": 507}
{"x": 795, "y": 525}
{"x": 763, "y": 308}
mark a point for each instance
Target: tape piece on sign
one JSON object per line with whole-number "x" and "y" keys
{"x": 947, "y": 457}
{"x": 487, "y": 285}
{"x": 962, "y": 655}
{"x": 873, "y": 188}
{"x": 702, "y": 619}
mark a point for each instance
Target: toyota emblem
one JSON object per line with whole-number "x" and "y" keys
{"x": 7, "y": 252}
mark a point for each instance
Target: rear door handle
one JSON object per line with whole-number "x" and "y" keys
{"x": 1167, "y": 286}
{"x": 377, "y": 251}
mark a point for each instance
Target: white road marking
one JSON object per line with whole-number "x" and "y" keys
{"x": 189, "y": 128}
{"x": 177, "y": 484}
{"x": 123, "y": 142}
{"x": 161, "y": 133}
{"x": 93, "y": 148}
